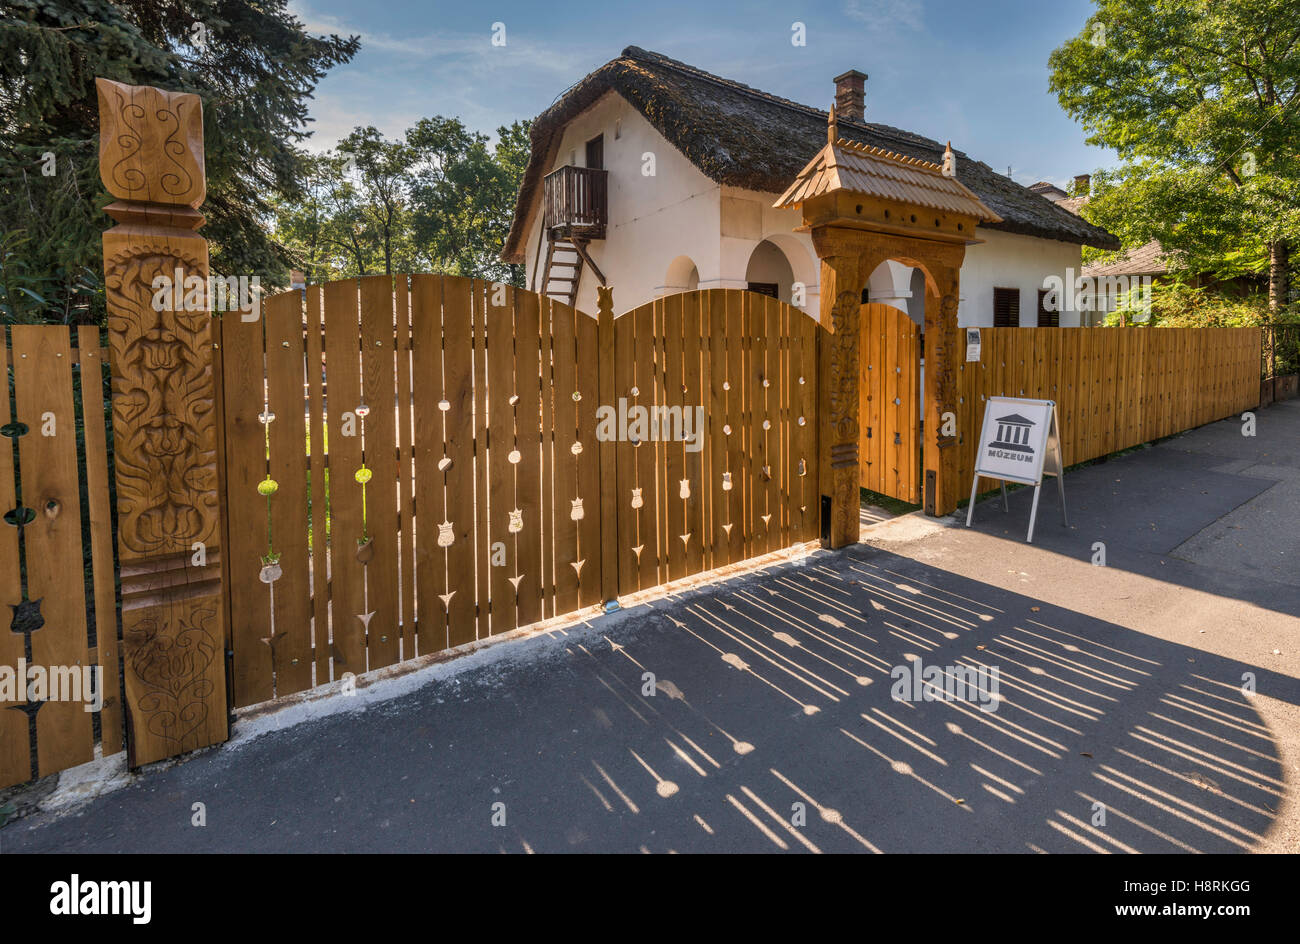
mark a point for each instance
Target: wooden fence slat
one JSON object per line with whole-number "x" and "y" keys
{"x": 673, "y": 506}
{"x": 694, "y": 319}
{"x": 379, "y": 376}
{"x": 291, "y": 649}
{"x": 246, "y": 465}
{"x": 502, "y": 498}
{"x": 432, "y": 580}
{"x": 595, "y": 346}
{"x": 15, "y": 753}
{"x": 319, "y": 484}
{"x": 529, "y": 590}
{"x": 455, "y": 501}
{"x": 343, "y": 433}
{"x": 405, "y": 467}
{"x": 568, "y": 549}
{"x": 550, "y": 514}
{"x": 803, "y": 386}
{"x": 482, "y": 458}
{"x": 100, "y": 519}
{"x": 649, "y": 465}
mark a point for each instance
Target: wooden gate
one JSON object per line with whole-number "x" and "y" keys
{"x": 890, "y": 444}
{"x": 746, "y": 365}
{"x": 419, "y": 462}
{"x": 431, "y": 447}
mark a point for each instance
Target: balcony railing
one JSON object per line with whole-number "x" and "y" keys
{"x": 576, "y": 201}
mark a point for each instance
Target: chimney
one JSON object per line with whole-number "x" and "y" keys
{"x": 1082, "y": 185}
{"x": 850, "y": 95}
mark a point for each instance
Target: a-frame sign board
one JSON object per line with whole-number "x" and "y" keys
{"x": 1019, "y": 442}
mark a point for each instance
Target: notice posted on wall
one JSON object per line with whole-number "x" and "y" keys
{"x": 1015, "y": 439}
{"x": 972, "y": 344}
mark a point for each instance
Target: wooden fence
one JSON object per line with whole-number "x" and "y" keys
{"x": 413, "y": 464}
{"x": 56, "y": 569}
{"x": 1114, "y": 387}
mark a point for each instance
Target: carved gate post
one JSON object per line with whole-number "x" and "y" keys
{"x": 164, "y": 420}
{"x": 940, "y": 489}
{"x": 837, "y": 393}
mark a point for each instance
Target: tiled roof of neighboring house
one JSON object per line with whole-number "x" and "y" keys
{"x": 1073, "y": 204}
{"x": 1043, "y": 187}
{"x": 739, "y": 136}
{"x": 846, "y": 165}
{"x": 1150, "y": 259}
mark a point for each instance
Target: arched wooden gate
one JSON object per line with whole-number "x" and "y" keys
{"x": 413, "y": 463}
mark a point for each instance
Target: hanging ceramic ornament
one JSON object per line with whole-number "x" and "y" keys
{"x": 726, "y": 481}
{"x": 684, "y": 490}
{"x": 577, "y": 513}
{"x": 637, "y": 501}
{"x": 516, "y": 521}
{"x": 445, "y": 535}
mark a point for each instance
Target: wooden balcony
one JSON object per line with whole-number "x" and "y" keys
{"x": 576, "y": 201}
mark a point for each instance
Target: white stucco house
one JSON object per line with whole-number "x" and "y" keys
{"x": 656, "y": 177}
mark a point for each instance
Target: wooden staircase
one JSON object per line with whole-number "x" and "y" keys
{"x": 565, "y": 259}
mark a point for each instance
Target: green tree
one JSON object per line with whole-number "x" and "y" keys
{"x": 251, "y": 61}
{"x": 1198, "y": 97}
{"x": 438, "y": 200}
{"x": 463, "y": 195}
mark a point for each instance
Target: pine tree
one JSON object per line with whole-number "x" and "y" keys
{"x": 251, "y": 61}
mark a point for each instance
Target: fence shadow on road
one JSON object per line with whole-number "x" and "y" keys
{"x": 771, "y": 706}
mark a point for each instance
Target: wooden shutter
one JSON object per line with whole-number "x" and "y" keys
{"x": 1006, "y": 308}
{"x": 1048, "y": 319}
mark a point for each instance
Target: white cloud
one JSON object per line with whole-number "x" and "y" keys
{"x": 884, "y": 14}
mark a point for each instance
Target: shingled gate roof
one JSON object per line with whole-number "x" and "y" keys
{"x": 741, "y": 137}
{"x": 860, "y": 168}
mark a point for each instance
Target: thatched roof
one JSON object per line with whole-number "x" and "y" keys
{"x": 742, "y": 137}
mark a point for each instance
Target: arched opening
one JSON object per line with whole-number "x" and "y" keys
{"x": 784, "y": 260}
{"x": 769, "y": 271}
{"x": 682, "y": 276}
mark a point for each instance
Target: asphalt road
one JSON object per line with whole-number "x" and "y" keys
{"x": 1120, "y": 721}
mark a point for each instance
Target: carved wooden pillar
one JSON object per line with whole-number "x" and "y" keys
{"x": 837, "y": 394}
{"x": 940, "y": 488}
{"x": 164, "y": 420}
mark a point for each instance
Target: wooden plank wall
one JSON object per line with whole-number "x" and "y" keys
{"x": 748, "y": 363}
{"x": 1114, "y": 387}
{"x": 472, "y": 403}
{"x": 890, "y": 446}
{"x": 54, "y": 592}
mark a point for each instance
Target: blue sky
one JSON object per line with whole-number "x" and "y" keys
{"x": 973, "y": 71}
